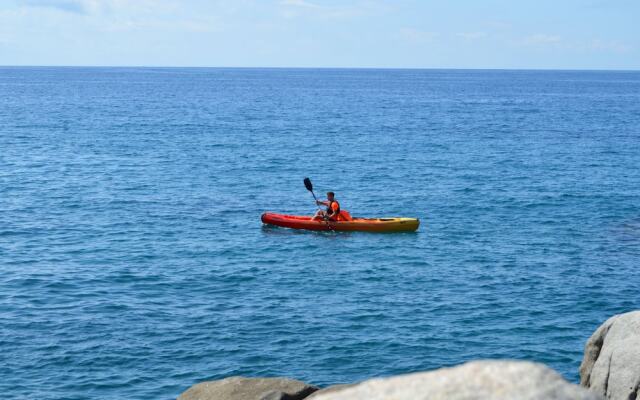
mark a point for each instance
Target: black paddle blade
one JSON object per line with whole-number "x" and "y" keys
{"x": 308, "y": 185}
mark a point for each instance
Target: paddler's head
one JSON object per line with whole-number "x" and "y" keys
{"x": 331, "y": 196}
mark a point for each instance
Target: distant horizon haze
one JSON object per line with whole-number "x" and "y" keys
{"x": 325, "y": 68}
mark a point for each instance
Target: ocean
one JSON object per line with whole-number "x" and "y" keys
{"x": 134, "y": 264}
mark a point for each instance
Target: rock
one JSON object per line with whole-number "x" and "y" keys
{"x": 498, "y": 380}
{"x": 611, "y": 363}
{"x": 330, "y": 389}
{"x": 241, "y": 388}
{"x": 277, "y": 395}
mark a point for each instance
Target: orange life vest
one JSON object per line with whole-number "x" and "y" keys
{"x": 333, "y": 207}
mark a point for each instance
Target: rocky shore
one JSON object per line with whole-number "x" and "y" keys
{"x": 610, "y": 369}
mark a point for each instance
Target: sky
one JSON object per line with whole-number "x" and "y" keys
{"x": 519, "y": 34}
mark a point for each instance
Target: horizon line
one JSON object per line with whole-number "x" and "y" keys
{"x": 327, "y": 68}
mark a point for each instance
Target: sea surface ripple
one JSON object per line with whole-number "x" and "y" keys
{"x": 134, "y": 264}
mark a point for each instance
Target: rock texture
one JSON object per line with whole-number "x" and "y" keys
{"x": 330, "y": 389}
{"x": 497, "y": 380}
{"x": 240, "y": 388}
{"x": 611, "y": 363}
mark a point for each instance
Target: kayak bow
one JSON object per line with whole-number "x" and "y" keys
{"x": 356, "y": 224}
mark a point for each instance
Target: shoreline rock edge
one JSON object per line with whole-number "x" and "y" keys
{"x": 611, "y": 363}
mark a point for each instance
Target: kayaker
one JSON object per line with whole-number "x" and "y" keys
{"x": 333, "y": 208}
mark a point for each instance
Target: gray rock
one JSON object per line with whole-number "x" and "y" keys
{"x": 611, "y": 363}
{"x": 277, "y": 395}
{"x": 330, "y": 389}
{"x": 240, "y": 388}
{"x": 499, "y": 380}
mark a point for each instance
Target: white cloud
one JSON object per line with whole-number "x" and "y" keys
{"x": 297, "y": 8}
{"x": 73, "y": 6}
{"x": 472, "y": 35}
{"x": 417, "y": 36}
{"x": 179, "y": 25}
{"x": 102, "y": 6}
{"x": 299, "y": 3}
{"x": 38, "y": 17}
{"x": 579, "y": 45}
{"x": 541, "y": 39}
{"x": 498, "y": 24}
{"x": 610, "y": 46}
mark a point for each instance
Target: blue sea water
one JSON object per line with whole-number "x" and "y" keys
{"x": 134, "y": 263}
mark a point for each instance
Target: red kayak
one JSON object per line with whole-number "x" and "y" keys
{"x": 354, "y": 224}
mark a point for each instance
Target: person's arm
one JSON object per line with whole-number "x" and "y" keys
{"x": 322, "y": 203}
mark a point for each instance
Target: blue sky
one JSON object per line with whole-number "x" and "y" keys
{"x": 563, "y": 34}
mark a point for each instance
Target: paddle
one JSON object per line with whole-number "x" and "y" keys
{"x": 309, "y": 186}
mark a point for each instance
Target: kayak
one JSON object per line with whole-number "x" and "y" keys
{"x": 355, "y": 224}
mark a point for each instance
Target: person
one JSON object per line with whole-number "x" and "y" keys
{"x": 333, "y": 208}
